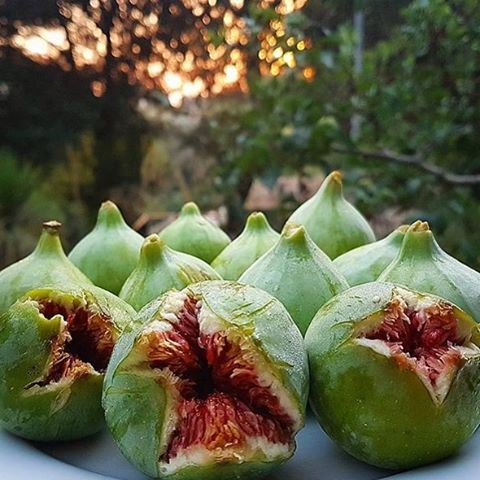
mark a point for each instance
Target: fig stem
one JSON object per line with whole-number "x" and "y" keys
{"x": 332, "y": 185}
{"x": 295, "y": 234}
{"x": 257, "y": 221}
{"x": 190, "y": 208}
{"x": 49, "y": 242}
{"x": 419, "y": 242}
{"x": 109, "y": 214}
{"x": 152, "y": 250}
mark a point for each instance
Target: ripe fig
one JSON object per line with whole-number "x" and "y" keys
{"x": 333, "y": 223}
{"x": 364, "y": 264}
{"x": 422, "y": 265}
{"x": 257, "y": 237}
{"x": 395, "y": 374}
{"x": 192, "y": 233}
{"x": 47, "y": 265}
{"x": 207, "y": 388}
{"x": 160, "y": 269}
{"x": 109, "y": 253}
{"x": 298, "y": 273}
{"x": 54, "y": 349}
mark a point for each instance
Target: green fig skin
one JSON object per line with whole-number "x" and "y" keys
{"x": 298, "y": 273}
{"x": 364, "y": 264}
{"x": 256, "y": 239}
{"x": 160, "y": 269}
{"x": 136, "y": 401}
{"x": 63, "y": 410}
{"x": 109, "y": 253}
{"x": 333, "y": 223}
{"x": 373, "y": 408}
{"x": 46, "y": 266}
{"x": 192, "y": 233}
{"x": 422, "y": 265}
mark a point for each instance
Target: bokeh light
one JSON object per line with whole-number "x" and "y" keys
{"x": 208, "y": 56}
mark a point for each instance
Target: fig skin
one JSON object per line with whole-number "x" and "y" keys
{"x": 298, "y": 273}
{"x": 64, "y": 410}
{"x": 333, "y": 223}
{"x": 46, "y": 266}
{"x": 256, "y": 239}
{"x": 194, "y": 234}
{"x": 160, "y": 269}
{"x": 375, "y": 410}
{"x": 108, "y": 254}
{"x": 364, "y": 264}
{"x": 135, "y": 402}
{"x": 422, "y": 265}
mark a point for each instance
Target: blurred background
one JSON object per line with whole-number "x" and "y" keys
{"x": 239, "y": 105}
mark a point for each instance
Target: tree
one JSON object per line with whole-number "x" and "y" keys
{"x": 418, "y": 95}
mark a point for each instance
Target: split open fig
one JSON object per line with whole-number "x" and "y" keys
{"x": 46, "y": 266}
{"x": 206, "y": 387}
{"x": 395, "y": 374}
{"x": 423, "y": 265}
{"x": 54, "y": 349}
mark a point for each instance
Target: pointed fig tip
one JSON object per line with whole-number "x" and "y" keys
{"x": 190, "y": 208}
{"x": 402, "y": 228}
{"x": 293, "y": 230}
{"x": 256, "y": 219}
{"x": 153, "y": 238}
{"x": 108, "y": 204}
{"x": 52, "y": 226}
{"x": 109, "y": 214}
{"x": 336, "y": 176}
{"x": 151, "y": 245}
{"x": 419, "y": 226}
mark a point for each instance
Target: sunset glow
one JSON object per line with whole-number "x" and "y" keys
{"x": 177, "y": 68}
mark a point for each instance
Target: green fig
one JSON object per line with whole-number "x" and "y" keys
{"x": 192, "y": 233}
{"x": 364, "y": 264}
{"x": 333, "y": 223}
{"x": 109, "y": 253}
{"x": 160, "y": 269}
{"x": 46, "y": 266}
{"x": 422, "y": 265}
{"x": 394, "y": 375}
{"x": 54, "y": 349}
{"x": 298, "y": 273}
{"x": 207, "y": 388}
{"x": 257, "y": 237}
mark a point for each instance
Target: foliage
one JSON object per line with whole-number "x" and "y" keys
{"x": 418, "y": 95}
{"x": 16, "y": 182}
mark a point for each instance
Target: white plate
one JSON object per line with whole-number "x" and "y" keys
{"x": 317, "y": 458}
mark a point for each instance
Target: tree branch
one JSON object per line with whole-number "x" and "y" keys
{"x": 413, "y": 161}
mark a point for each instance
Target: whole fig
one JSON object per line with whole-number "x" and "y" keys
{"x": 207, "y": 388}
{"x": 422, "y": 265}
{"x": 257, "y": 237}
{"x": 54, "y": 348}
{"x": 298, "y": 273}
{"x": 194, "y": 234}
{"x": 333, "y": 223}
{"x": 109, "y": 253}
{"x": 47, "y": 265}
{"x": 395, "y": 375}
{"x": 160, "y": 269}
{"x": 364, "y": 264}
